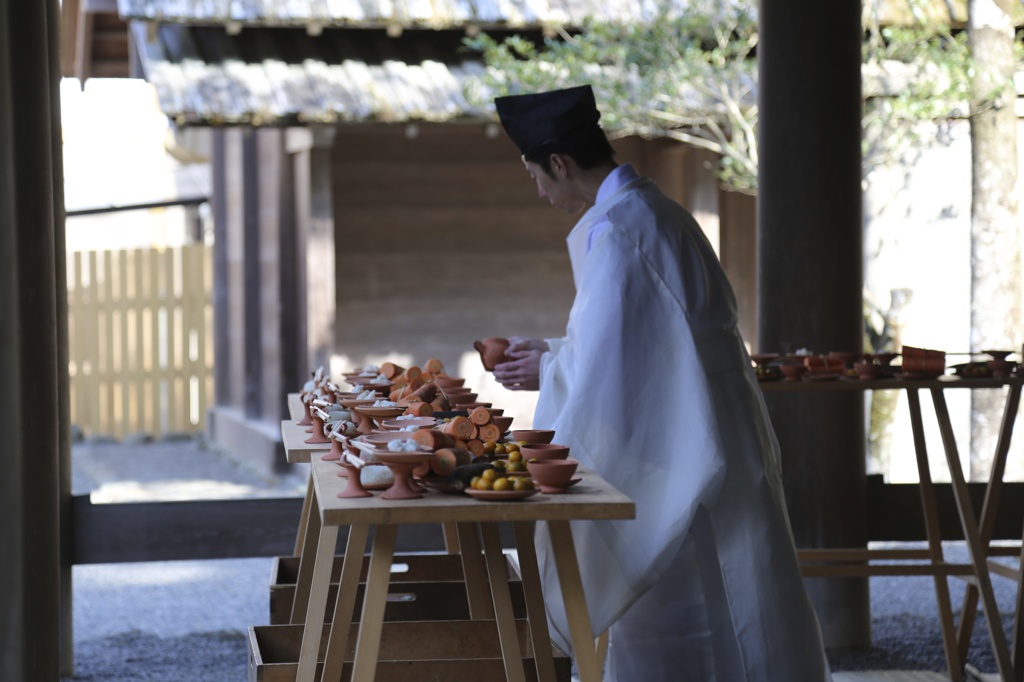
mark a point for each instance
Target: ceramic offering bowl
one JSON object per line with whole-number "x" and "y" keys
{"x": 318, "y": 435}
{"x": 355, "y": 486}
{"x": 446, "y": 383}
{"x": 534, "y": 435}
{"x": 336, "y": 451}
{"x": 502, "y": 423}
{"x": 544, "y": 451}
{"x": 492, "y": 352}
{"x": 363, "y": 423}
{"x": 553, "y": 475}
{"x": 461, "y": 400}
{"x": 370, "y": 415}
{"x": 997, "y": 354}
{"x": 845, "y": 357}
{"x": 379, "y": 389}
{"x": 469, "y": 407}
{"x": 351, "y": 403}
{"x": 382, "y": 438}
{"x": 496, "y": 412}
{"x": 398, "y": 424}
{"x": 793, "y": 372}
{"x": 381, "y": 413}
{"x": 402, "y": 465}
{"x": 306, "y": 416}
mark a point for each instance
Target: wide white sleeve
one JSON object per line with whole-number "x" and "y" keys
{"x": 626, "y": 391}
{"x": 555, "y": 345}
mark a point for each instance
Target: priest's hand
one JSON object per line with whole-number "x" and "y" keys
{"x": 523, "y": 372}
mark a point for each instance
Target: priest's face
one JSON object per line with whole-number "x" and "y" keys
{"x": 557, "y": 189}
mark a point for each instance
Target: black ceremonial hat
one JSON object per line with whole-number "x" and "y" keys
{"x": 544, "y": 119}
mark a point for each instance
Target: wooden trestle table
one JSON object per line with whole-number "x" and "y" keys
{"x": 930, "y": 561}
{"x": 483, "y": 562}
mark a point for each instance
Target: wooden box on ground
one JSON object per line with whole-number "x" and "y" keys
{"x": 422, "y": 587}
{"x": 445, "y": 651}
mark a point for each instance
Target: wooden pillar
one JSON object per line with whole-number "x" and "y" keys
{"x": 277, "y": 274}
{"x": 737, "y": 248}
{"x": 315, "y": 259}
{"x": 221, "y": 314}
{"x": 67, "y": 640}
{"x": 30, "y": 410}
{"x": 251, "y": 290}
{"x": 701, "y": 197}
{"x": 810, "y": 275}
{"x": 261, "y": 208}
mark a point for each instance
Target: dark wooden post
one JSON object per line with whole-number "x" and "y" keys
{"x": 30, "y": 410}
{"x": 810, "y": 274}
{"x": 67, "y": 640}
{"x": 311, "y": 299}
{"x": 221, "y": 290}
{"x": 252, "y": 398}
{"x": 318, "y": 253}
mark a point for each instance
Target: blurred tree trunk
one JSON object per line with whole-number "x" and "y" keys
{"x": 995, "y": 233}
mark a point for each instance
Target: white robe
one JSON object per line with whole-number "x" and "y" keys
{"x": 652, "y": 388}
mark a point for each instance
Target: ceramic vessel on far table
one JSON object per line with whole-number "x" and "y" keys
{"x": 1001, "y": 368}
{"x": 867, "y": 370}
{"x": 793, "y": 372}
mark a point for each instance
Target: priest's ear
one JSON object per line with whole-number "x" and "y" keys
{"x": 560, "y": 166}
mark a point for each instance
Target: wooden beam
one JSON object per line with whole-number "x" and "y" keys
{"x": 209, "y": 529}
{"x": 170, "y": 531}
{"x": 265, "y": 527}
{"x": 894, "y": 511}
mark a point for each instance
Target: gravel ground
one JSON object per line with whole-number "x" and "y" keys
{"x": 187, "y": 620}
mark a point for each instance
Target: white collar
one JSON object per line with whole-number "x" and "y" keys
{"x": 620, "y": 176}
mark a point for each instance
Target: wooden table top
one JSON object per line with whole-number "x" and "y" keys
{"x": 591, "y": 498}
{"x": 844, "y": 384}
{"x": 296, "y": 451}
{"x": 295, "y": 408}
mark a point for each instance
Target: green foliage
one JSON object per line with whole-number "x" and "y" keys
{"x": 692, "y": 76}
{"x": 688, "y": 76}
{"x": 912, "y": 75}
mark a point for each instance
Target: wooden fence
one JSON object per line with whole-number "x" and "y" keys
{"x": 141, "y": 349}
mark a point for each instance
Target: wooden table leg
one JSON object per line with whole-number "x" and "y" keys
{"x": 582, "y": 634}
{"x": 979, "y": 555}
{"x": 475, "y": 573}
{"x": 1018, "y": 631}
{"x": 300, "y": 536}
{"x": 534, "y": 594}
{"x": 954, "y": 659}
{"x": 602, "y": 646}
{"x": 505, "y": 620}
{"x": 451, "y": 537}
{"x": 344, "y": 605}
{"x": 375, "y": 597}
{"x": 309, "y": 548}
{"x": 312, "y": 632}
{"x": 989, "y": 511}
